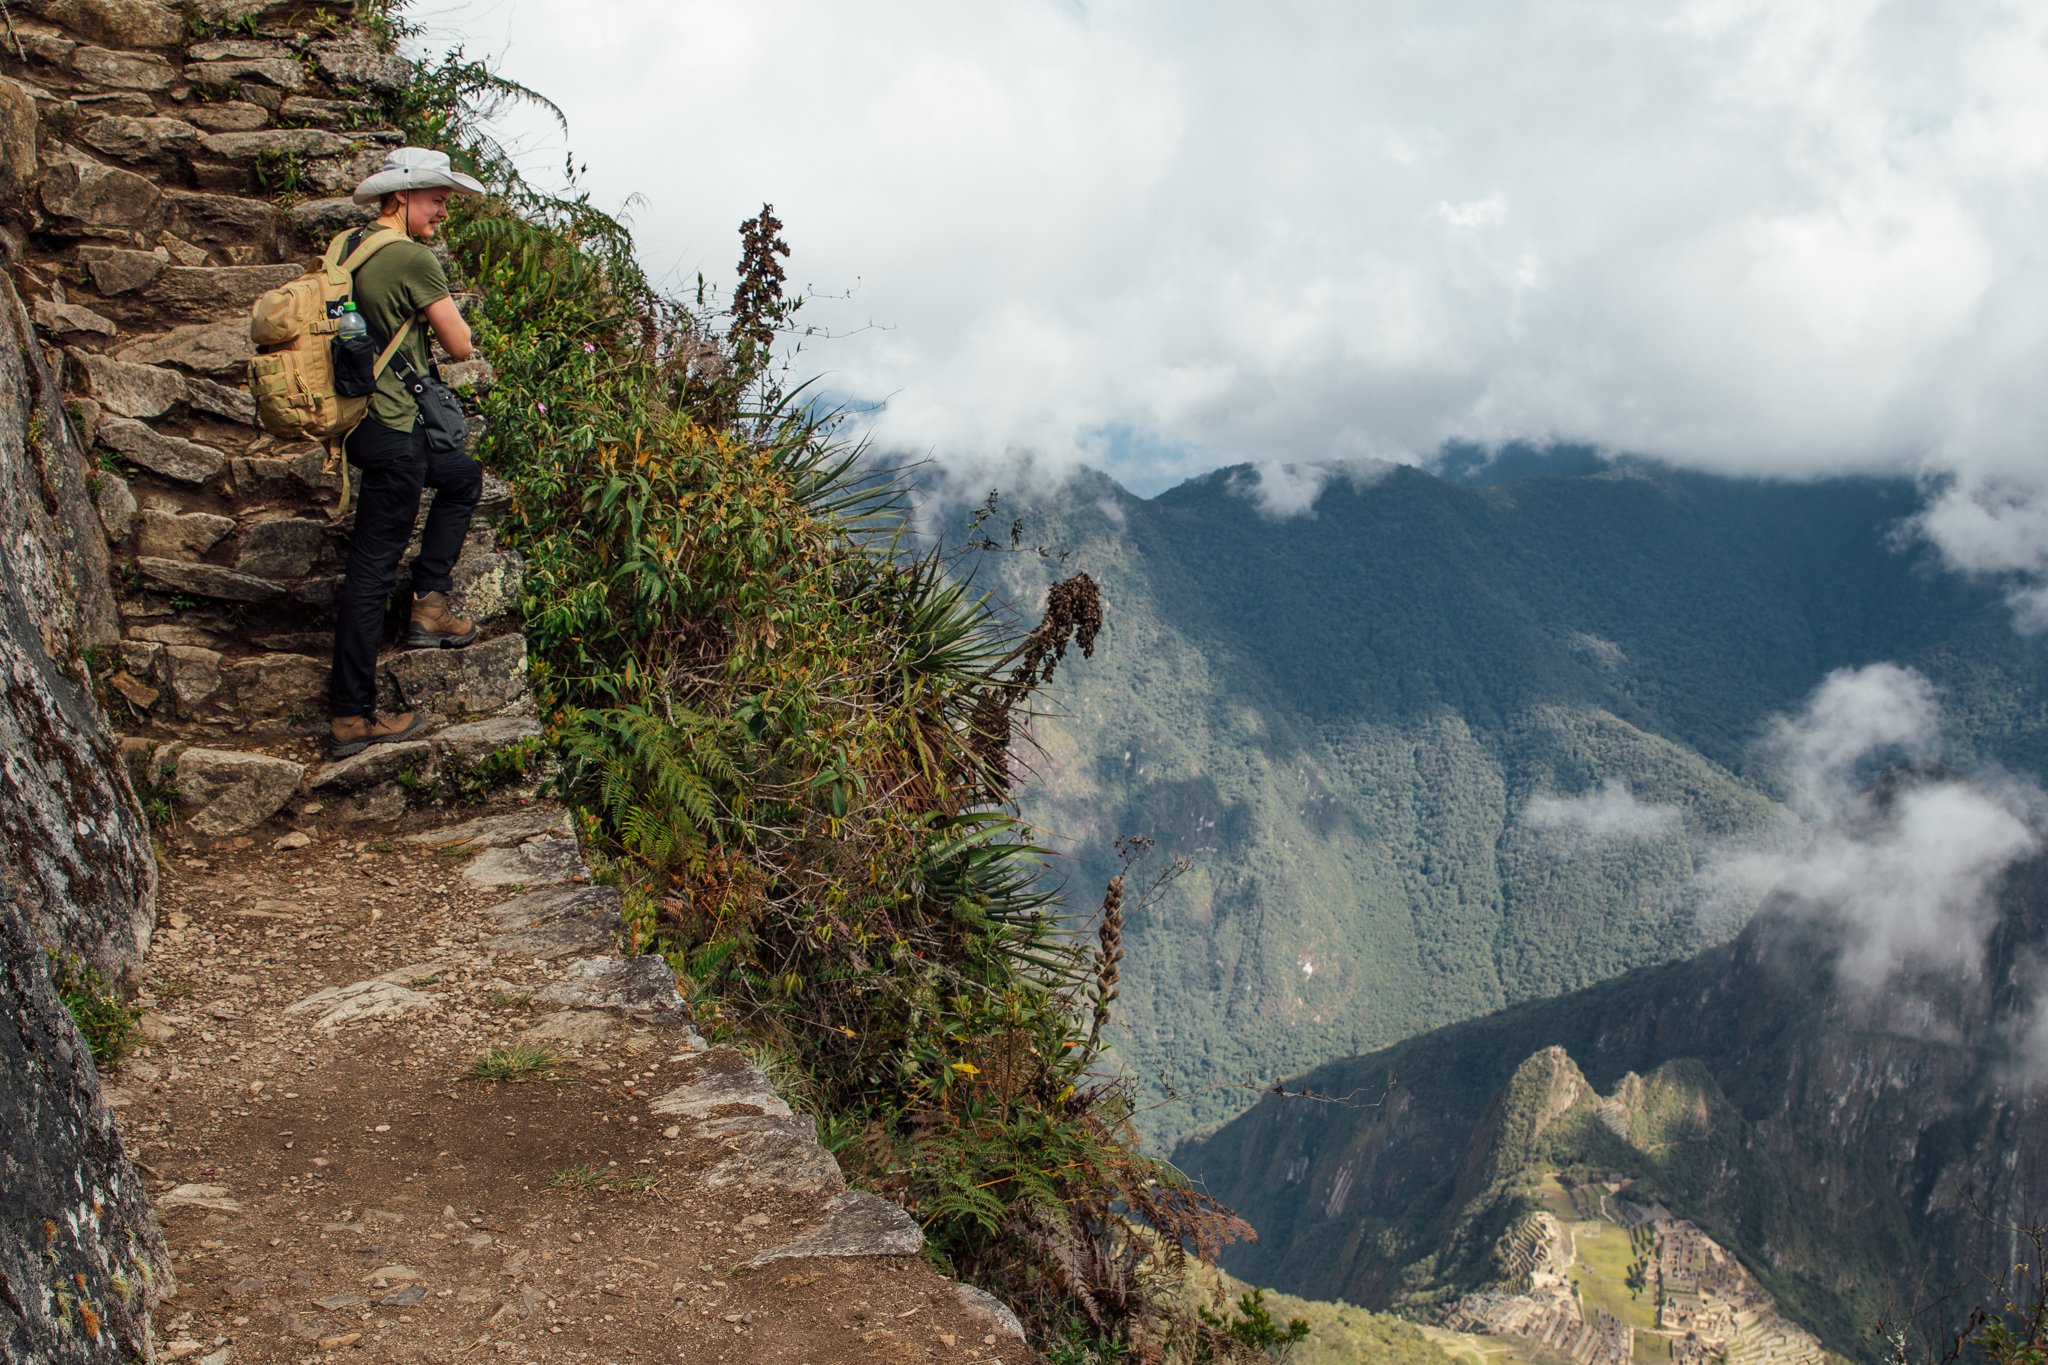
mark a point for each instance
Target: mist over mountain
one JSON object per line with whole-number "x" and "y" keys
{"x": 1436, "y": 746}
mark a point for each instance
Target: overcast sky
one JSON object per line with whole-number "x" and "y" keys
{"x": 1157, "y": 236}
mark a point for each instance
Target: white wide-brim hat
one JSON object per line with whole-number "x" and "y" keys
{"x": 415, "y": 168}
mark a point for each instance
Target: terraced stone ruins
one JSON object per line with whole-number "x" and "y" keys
{"x": 1596, "y": 1279}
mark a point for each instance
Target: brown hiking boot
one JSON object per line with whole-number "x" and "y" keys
{"x": 436, "y": 627}
{"x": 353, "y": 734}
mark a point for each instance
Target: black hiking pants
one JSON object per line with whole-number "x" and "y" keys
{"x": 391, "y": 469}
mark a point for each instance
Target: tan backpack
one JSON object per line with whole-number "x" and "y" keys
{"x": 293, "y": 326}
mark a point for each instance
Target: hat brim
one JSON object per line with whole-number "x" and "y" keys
{"x": 373, "y": 190}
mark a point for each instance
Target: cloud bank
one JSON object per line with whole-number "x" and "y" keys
{"x": 1899, "y": 856}
{"x": 1610, "y": 813}
{"x": 1282, "y": 489}
{"x": 1162, "y": 236}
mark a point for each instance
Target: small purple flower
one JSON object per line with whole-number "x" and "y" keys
{"x": 542, "y": 406}
{"x": 589, "y": 349}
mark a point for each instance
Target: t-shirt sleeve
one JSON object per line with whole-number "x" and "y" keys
{"x": 422, "y": 281}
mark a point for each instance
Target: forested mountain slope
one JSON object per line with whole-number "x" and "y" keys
{"x": 1343, "y": 717}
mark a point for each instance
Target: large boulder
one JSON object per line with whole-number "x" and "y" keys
{"x": 81, "y": 1255}
{"x": 81, "y": 1258}
{"x": 72, "y": 835}
{"x": 48, "y": 522}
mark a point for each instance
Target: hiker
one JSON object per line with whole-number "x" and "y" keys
{"x": 392, "y": 454}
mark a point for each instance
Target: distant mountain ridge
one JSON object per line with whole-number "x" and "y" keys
{"x": 1343, "y": 717}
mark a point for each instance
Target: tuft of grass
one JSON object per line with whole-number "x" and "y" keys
{"x": 104, "y": 1017}
{"x": 462, "y": 780}
{"x": 514, "y": 1062}
{"x": 156, "y": 792}
{"x": 509, "y": 1000}
{"x": 595, "y": 1179}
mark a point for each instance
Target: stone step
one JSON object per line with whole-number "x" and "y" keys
{"x": 458, "y": 684}
{"x": 185, "y": 667}
{"x": 195, "y": 680}
{"x": 222, "y": 789}
{"x": 487, "y": 583}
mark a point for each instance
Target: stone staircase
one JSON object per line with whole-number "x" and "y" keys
{"x": 179, "y": 171}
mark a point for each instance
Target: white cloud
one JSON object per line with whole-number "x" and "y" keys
{"x": 1610, "y": 813}
{"x": 1902, "y": 862}
{"x": 1290, "y": 490}
{"x": 1757, "y": 238}
{"x": 1857, "y": 717}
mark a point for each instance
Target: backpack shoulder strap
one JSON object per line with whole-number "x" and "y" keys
{"x": 391, "y": 347}
{"x": 376, "y": 240}
{"x": 330, "y": 259}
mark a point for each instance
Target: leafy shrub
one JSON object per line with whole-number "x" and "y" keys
{"x": 788, "y": 730}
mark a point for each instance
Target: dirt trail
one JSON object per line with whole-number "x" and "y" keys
{"x": 334, "y": 1187}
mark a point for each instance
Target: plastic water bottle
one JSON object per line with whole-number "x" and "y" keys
{"x": 353, "y": 324}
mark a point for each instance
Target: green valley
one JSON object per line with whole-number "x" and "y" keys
{"x": 1342, "y": 720}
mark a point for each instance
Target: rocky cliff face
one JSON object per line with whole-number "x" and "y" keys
{"x": 82, "y": 1262}
{"x": 1855, "y": 1151}
{"x": 73, "y": 842}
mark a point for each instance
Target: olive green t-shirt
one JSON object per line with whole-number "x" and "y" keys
{"x": 393, "y": 285}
